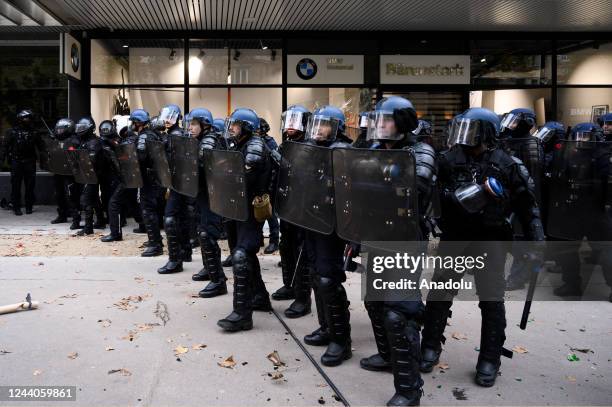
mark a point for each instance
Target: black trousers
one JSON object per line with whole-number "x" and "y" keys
{"x": 23, "y": 171}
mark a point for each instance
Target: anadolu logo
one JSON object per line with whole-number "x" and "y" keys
{"x": 306, "y": 69}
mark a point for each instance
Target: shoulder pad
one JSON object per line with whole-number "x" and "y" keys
{"x": 208, "y": 142}
{"x": 176, "y": 132}
{"x": 425, "y": 158}
{"x": 255, "y": 150}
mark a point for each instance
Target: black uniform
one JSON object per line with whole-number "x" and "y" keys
{"x": 456, "y": 169}
{"x": 209, "y": 227}
{"x": 179, "y": 217}
{"x": 249, "y": 289}
{"x": 20, "y": 145}
{"x": 325, "y": 258}
{"x": 67, "y": 191}
{"x": 90, "y": 197}
{"x": 116, "y": 190}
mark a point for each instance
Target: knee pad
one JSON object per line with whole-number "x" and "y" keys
{"x": 394, "y": 321}
{"x": 325, "y": 284}
{"x": 170, "y": 222}
{"x": 239, "y": 256}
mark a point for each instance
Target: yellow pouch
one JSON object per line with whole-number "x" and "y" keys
{"x": 262, "y": 208}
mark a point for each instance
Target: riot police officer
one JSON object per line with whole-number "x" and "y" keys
{"x": 480, "y": 185}
{"x": 294, "y": 260}
{"x": 249, "y": 289}
{"x": 606, "y": 125}
{"x": 264, "y": 129}
{"x": 20, "y": 145}
{"x": 199, "y": 124}
{"x": 325, "y": 253}
{"x": 67, "y": 191}
{"x": 583, "y": 166}
{"x": 150, "y": 190}
{"x": 396, "y": 324}
{"x": 110, "y": 177}
{"x": 90, "y": 199}
{"x": 179, "y": 213}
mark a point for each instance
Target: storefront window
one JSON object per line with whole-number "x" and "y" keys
{"x": 503, "y": 100}
{"x": 581, "y": 105}
{"x": 213, "y": 99}
{"x": 125, "y": 62}
{"x": 511, "y": 62}
{"x": 267, "y": 103}
{"x": 256, "y": 66}
{"x": 351, "y": 100}
{"x": 584, "y": 63}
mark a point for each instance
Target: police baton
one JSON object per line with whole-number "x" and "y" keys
{"x": 530, "y": 291}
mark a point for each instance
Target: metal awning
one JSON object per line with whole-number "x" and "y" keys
{"x": 328, "y": 15}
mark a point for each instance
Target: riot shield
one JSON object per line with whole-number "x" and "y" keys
{"x": 375, "y": 195}
{"x": 305, "y": 195}
{"x": 529, "y": 151}
{"x": 226, "y": 183}
{"x": 54, "y": 158}
{"x": 580, "y": 191}
{"x": 82, "y": 167}
{"x": 157, "y": 153}
{"x": 184, "y": 165}
{"x": 129, "y": 165}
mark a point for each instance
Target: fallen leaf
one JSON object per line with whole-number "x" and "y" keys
{"x": 276, "y": 375}
{"x": 139, "y": 279}
{"x": 37, "y": 372}
{"x": 124, "y": 372}
{"x": 198, "y": 346}
{"x": 130, "y": 336}
{"x": 520, "y": 349}
{"x": 179, "y": 350}
{"x": 105, "y": 322}
{"x": 274, "y": 357}
{"x": 228, "y": 362}
{"x": 146, "y": 327}
{"x": 73, "y": 355}
{"x": 108, "y": 348}
{"x": 459, "y": 336}
{"x": 69, "y": 296}
{"x": 442, "y": 366}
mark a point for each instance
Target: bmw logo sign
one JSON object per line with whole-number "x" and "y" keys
{"x": 74, "y": 57}
{"x": 306, "y": 69}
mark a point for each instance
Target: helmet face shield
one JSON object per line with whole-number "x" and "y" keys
{"x": 292, "y": 120}
{"x": 169, "y": 116}
{"x": 322, "y": 128}
{"x": 544, "y": 134}
{"x": 465, "y": 132}
{"x": 584, "y": 136}
{"x": 363, "y": 121}
{"x": 510, "y": 121}
{"x": 382, "y": 127}
{"x": 82, "y": 128}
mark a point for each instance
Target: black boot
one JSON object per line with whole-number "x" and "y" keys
{"x": 338, "y": 321}
{"x": 111, "y": 238}
{"x": 186, "y": 254}
{"x": 76, "y": 222}
{"x": 492, "y": 338}
{"x": 569, "y": 290}
{"x": 272, "y": 247}
{"x": 320, "y": 336}
{"x": 261, "y": 297}
{"x": 378, "y": 362}
{"x": 174, "y": 264}
{"x": 241, "y": 318}
{"x": 140, "y": 229}
{"x": 201, "y": 275}
{"x": 211, "y": 259}
{"x": 88, "y": 229}
{"x": 17, "y": 211}
{"x": 154, "y": 245}
{"x": 302, "y": 304}
{"x": 404, "y": 344}
{"x": 227, "y": 262}
{"x": 286, "y": 291}
{"x": 436, "y": 315}
{"x": 61, "y": 218}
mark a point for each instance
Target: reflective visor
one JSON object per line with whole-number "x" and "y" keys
{"x": 465, "y": 132}
{"x": 322, "y": 128}
{"x": 81, "y": 127}
{"x": 382, "y": 127}
{"x": 510, "y": 121}
{"x": 544, "y": 134}
{"x": 292, "y": 119}
{"x": 168, "y": 115}
{"x": 584, "y": 136}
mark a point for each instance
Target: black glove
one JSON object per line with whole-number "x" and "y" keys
{"x": 405, "y": 120}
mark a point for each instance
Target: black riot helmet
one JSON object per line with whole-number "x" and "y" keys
{"x": 85, "y": 127}
{"x": 25, "y": 117}
{"x": 473, "y": 127}
{"x": 64, "y": 128}
{"x": 264, "y": 127}
{"x": 107, "y": 129}
{"x": 423, "y": 132}
{"x": 518, "y": 123}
